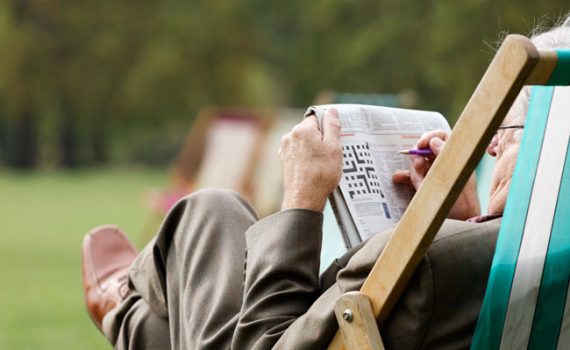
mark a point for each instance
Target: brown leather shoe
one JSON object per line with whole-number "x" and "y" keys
{"x": 107, "y": 256}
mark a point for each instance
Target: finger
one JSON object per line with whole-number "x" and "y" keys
{"x": 436, "y": 144}
{"x": 331, "y": 126}
{"x": 311, "y": 122}
{"x": 285, "y": 139}
{"x": 420, "y": 164}
{"x": 402, "y": 177}
{"x": 424, "y": 140}
{"x": 307, "y": 128}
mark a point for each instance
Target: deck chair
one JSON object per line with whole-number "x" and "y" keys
{"x": 525, "y": 305}
{"x": 267, "y": 191}
{"x": 517, "y": 63}
{"x": 221, "y": 150}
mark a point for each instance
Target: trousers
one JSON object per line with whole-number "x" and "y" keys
{"x": 187, "y": 283}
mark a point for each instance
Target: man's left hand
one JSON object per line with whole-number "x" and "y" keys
{"x": 311, "y": 162}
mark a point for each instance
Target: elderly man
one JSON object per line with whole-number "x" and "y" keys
{"x": 215, "y": 277}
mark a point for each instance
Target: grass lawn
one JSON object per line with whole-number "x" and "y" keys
{"x": 43, "y": 219}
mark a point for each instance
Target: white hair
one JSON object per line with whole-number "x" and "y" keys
{"x": 557, "y": 37}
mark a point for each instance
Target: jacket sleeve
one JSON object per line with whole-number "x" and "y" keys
{"x": 281, "y": 276}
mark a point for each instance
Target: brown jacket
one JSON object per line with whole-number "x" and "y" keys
{"x": 285, "y": 306}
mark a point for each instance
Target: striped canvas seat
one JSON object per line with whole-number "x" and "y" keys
{"x": 527, "y": 305}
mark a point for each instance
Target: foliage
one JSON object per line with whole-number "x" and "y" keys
{"x": 79, "y": 76}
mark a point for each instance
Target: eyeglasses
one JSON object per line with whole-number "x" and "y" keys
{"x": 510, "y": 127}
{"x": 495, "y": 139}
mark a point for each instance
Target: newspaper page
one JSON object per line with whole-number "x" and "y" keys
{"x": 367, "y": 201}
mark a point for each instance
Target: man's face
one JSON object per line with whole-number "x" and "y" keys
{"x": 505, "y": 148}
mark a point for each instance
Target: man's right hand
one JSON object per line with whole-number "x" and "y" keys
{"x": 467, "y": 204}
{"x": 421, "y": 164}
{"x": 311, "y": 162}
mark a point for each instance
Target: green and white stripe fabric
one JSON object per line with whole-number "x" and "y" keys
{"x": 527, "y": 304}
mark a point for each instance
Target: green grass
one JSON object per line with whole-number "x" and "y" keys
{"x": 43, "y": 218}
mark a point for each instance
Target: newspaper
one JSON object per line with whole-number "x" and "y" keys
{"x": 366, "y": 200}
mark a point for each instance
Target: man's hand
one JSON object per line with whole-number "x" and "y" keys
{"x": 467, "y": 204}
{"x": 421, "y": 164}
{"x": 311, "y": 162}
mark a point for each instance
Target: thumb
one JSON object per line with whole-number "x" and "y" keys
{"x": 436, "y": 144}
{"x": 331, "y": 126}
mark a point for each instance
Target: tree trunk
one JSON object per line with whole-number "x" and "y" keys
{"x": 68, "y": 138}
{"x": 22, "y": 142}
{"x": 99, "y": 143}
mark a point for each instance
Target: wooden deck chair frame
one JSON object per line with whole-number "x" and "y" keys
{"x": 187, "y": 164}
{"x": 359, "y": 314}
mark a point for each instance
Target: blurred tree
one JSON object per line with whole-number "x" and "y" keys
{"x": 87, "y": 81}
{"x": 22, "y": 147}
{"x": 21, "y": 129}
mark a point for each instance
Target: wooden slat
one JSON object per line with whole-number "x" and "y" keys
{"x": 482, "y": 115}
{"x": 359, "y": 330}
{"x": 543, "y": 69}
{"x": 187, "y": 163}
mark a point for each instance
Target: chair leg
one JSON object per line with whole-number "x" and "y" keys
{"x": 357, "y": 322}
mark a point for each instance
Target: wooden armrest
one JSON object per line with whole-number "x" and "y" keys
{"x": 357, "y": 322}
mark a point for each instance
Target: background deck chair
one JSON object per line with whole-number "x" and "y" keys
{"x": 220, "y": 150}
{"x": 267, "y": 192}
{"x": 516, "y": 64}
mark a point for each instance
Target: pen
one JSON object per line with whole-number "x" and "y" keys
{"x": 418, "y": 151}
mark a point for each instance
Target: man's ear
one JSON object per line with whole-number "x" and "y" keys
{"x": 493, "y": 146}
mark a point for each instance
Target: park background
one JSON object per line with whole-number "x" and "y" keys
{"x": 96, "y": 99}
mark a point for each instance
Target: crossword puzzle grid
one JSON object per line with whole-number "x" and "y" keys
{"x": 359, "y": 171}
